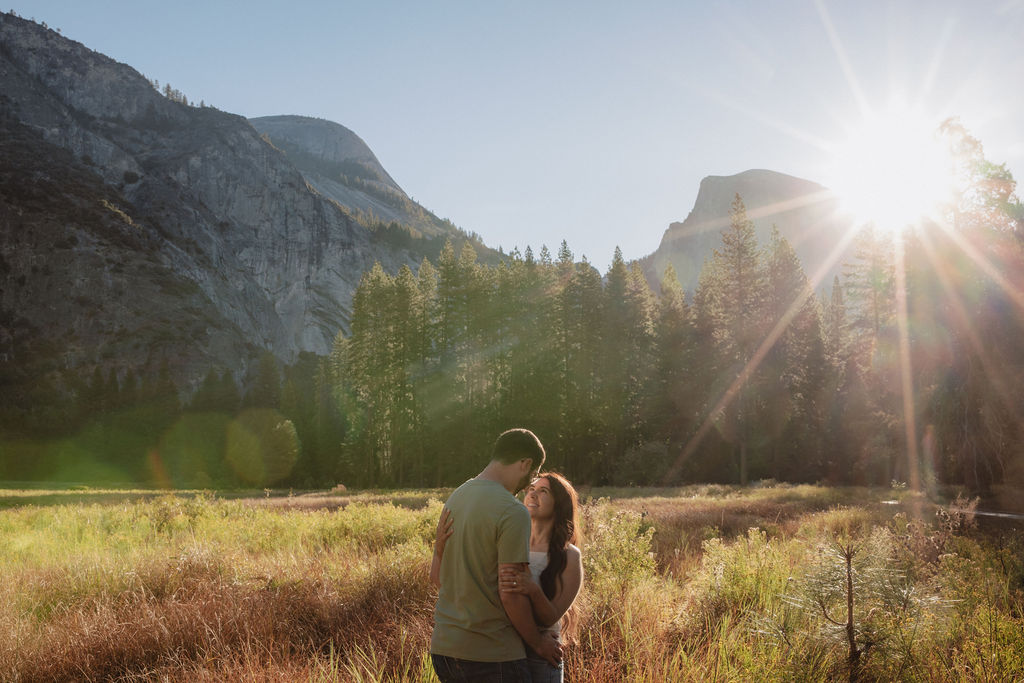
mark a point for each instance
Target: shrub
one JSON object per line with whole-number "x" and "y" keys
{"x": 734, "y": 578}
{"x": 618, "y": 547}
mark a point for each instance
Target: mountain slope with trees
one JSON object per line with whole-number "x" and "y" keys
{"x": 210, "y": 200}
{"x": 148, "y": 241}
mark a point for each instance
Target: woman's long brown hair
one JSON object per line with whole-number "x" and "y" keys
{"x": 566, "y": 530}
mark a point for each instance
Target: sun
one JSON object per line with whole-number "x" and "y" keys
{"x": 892, "y": 169}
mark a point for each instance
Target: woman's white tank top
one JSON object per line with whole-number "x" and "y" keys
{"x": 538, "y": 562}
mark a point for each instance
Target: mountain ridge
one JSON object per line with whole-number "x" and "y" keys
{"x": 213, "y": 202}
{"x": 806, "y": 213}
{"x": 343, "y": 168}
{"x": 266, "y": 224}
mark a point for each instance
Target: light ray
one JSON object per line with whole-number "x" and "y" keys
{"x": 844, "y": 61}
{"x": 780, "y": 126}
{"x": 764, "y": 211}
{"x": 933, "y": 64}
{"x": 755, "y": 361}
{"x": 996, "y": 378}
{"x": 906, "y": 382}
{"x": 1016, "y": 295}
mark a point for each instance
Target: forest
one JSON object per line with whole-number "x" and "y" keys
{"x": 899, "y": 371}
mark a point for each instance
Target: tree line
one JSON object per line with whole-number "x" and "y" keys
{"x": 904, "y": 370}
{"x": 903, "y": 373}
{"x": 616, "y": 379}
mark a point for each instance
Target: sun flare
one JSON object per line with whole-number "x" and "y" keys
{"x": 892, "y": 169}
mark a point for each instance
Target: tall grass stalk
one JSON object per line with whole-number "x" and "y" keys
{"x": 694, "y": 584}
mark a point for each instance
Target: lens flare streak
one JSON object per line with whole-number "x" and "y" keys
{"x": 759, "y": 355}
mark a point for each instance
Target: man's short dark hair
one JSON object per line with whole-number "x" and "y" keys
{"x": 516, "y": 444}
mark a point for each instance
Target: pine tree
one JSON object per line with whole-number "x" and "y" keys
{"x": 581, "y": 314}
{"x": 869, "y": 280}
{"x": 533, "y": 345}
{"x": 616, "y": 347}
{"x": 836, "y": 329}
{"x": 671, "y": 397}
{"x": 205, "y": 398}
{"x": 710, "y": 448}
{"x": 264, "y": 383}
{"x": 228, "y": 396}
{"x": 366, "y": 371}
{"x": 739, "y": 327}
{"x": 427, "y": 376}
{"x": 406, "y": 418}
{"x": 869, "y": 283}
{"x": 965, "y": 311}
{"x": 794, "y": 369}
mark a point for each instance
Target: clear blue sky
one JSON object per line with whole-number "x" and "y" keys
{"x": 529, "y": 122}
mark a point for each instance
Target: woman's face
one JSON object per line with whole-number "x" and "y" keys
{"x": 539, "y": 500}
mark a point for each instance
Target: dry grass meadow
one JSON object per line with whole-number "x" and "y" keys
{"x": 691, "y": 584}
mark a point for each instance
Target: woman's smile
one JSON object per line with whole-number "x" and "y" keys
{"x": 539, "y": 500}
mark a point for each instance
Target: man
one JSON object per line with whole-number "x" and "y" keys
{"x": 478, "y": 631}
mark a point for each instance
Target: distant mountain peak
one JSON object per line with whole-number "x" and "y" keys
{"x": 341, "y": 167}
{"x": 328, "y": 142}
{"x": 766, "y": 195}
{"x": 804, "y": 211}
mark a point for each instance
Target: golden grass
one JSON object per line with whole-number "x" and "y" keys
{"x": 686, "y": 584}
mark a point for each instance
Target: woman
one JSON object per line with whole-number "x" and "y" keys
{"x": 555, "y": 574}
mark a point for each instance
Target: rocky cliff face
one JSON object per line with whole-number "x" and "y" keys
{"x": 806, "y": 214}
{"x": 336, "y": 162}
{"x": 205, "y": 209}
{"x": 85, "y": 285}
{"x": 327, "y": 143}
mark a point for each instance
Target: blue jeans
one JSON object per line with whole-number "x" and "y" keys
{"x": 541, "y": 670}
{"x": 452, "y": 670}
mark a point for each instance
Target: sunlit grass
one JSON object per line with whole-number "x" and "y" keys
{"x": 688, "y": 584}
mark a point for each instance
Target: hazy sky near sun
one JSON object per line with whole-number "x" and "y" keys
{"x": 529, "y": 122}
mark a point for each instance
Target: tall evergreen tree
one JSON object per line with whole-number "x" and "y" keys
{"x": 206, "y": 397}
{"x": 582, "y": 319}
{"x": 671, "y": 402}
{"x": 406, "y": 417}
{"x": 739, "y": 324}
{"x": 794, "y": 369}
{"x": 869, "y": 281}
{"x": 365, "y": 371}
{"x": 616, "y": 338}
{"x": 836, "y": 332}
{"x": 966, "y": 313}
{"x": 838, "y": 449}
{"x": 264, "y": 383}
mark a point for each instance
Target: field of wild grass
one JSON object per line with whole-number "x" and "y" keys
{"x": 690, "y": 584}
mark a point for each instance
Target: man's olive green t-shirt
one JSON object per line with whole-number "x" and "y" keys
{"x": 490, "y": 527}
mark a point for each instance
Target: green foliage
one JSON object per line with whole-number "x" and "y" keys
{"x": 261, "y": 446}
{"x": 753, "y": 379}
{"x": 174, "y": 95}
{"x": 618, "y": 548}
{"x": 738, "y": 576}
{"x": 376, "y": 527}
{"x": 193, "y": 585}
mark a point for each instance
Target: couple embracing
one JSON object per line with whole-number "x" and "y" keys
{"x": 507, "y": 572}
